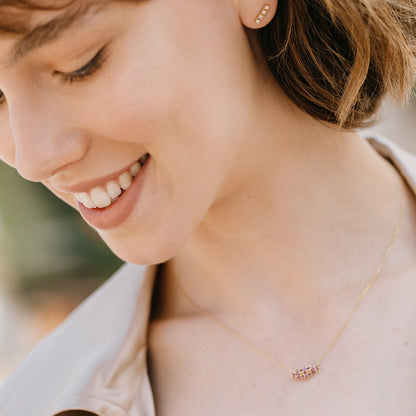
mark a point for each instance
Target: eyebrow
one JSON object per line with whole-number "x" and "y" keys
{"x": 51, "y": 31}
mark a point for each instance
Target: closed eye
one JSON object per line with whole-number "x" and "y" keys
{"x": 86, "y": 71}
{"x": 81, "y": 74}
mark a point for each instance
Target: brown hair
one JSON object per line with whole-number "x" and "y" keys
{"x": 14, "y": 13}
{"x": 335, "y": 59}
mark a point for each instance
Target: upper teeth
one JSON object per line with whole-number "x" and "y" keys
{"x": 104, "y": 196}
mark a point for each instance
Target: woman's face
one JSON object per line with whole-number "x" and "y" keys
{"x": 169, "y": 78}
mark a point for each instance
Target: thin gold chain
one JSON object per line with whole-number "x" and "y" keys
{"x": 339, "y": 333}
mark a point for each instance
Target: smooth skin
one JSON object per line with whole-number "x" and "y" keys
{"x": 274, "y": 222}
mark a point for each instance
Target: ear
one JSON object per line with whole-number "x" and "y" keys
{"x": 255, "y": 14}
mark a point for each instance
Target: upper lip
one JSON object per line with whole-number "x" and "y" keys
{"x": 89, "y": 184}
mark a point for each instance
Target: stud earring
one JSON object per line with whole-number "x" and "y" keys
{"x": 262, "y": 13}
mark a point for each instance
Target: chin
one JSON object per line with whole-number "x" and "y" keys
{"x": 144, "y": 251}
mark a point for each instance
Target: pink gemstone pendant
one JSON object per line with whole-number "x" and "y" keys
{"x": 306, "y": 372}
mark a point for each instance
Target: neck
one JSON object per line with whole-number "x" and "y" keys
{"x": 283, "y": 234}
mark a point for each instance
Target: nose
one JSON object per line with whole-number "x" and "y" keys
{"x": 45, "y": 139}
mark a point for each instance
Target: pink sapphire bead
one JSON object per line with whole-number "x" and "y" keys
{"x": 306, "y": 372}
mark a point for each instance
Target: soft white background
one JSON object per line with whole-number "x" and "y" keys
{"x": 398, "y": 124}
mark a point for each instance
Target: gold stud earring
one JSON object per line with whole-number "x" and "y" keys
{"x": 262, "y": 13}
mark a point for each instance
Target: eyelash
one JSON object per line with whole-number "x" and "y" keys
{"x": 86, "y": 71}
{"x": 79, "y": 75}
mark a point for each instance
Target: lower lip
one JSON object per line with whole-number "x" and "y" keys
{"x": 120, "y": 210}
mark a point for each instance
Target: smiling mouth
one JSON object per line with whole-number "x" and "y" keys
{"x": 105, "y": 195}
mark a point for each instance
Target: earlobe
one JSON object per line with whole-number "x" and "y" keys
{"x": 256, "y": 14}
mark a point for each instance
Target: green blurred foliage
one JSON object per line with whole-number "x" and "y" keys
{"x": 44, "y": 241}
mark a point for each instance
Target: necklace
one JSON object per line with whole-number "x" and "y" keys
{"x": 307, "y": 371}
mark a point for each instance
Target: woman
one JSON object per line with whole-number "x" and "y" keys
{"x": 213, "y": 146}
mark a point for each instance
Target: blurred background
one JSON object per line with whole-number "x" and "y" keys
{"x": 50, "y": 260}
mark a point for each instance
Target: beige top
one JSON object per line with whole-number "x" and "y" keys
{"x": 96, "y": 359}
